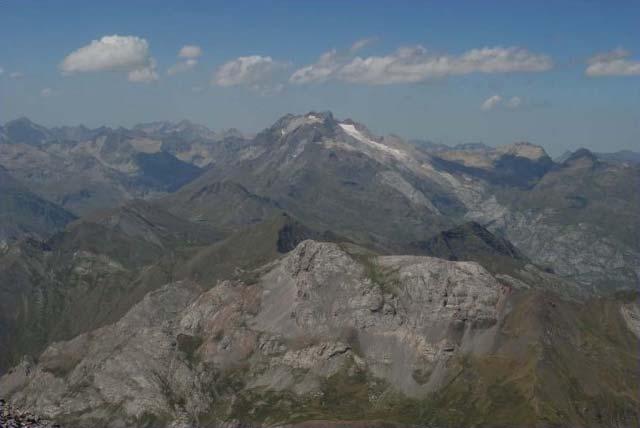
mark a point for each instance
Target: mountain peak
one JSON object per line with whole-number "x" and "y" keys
{"x": 581, "y": 157}
{"x": 313, "y": 127}
{"x": 24, "y": 131}
{"x": 22, "y": 122}
{"x": 523, "y": 149}
{"x": 289, "y": 124}
{"x": 472, "y": 147}
{"x": 324, "y": 115}
{"x": 184, "y": 129}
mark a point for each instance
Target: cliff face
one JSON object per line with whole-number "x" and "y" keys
{"x": 332, "y": 332}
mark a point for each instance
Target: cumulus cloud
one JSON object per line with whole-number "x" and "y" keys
{"x": 144, "y": 75}
{"x": 361, "y": 44}
{"x": 1, "y": 71}
{"x": 497, "y": 101}
{"x": 46, "y": 92}
{"x": 256, "y": 72}
{"x": 613, "y": 63}
{"x": 416, "y": 64}
{"x": 127, "y": 54}
{"x": 190, "y": 53}
{"x": 182, "y": 66}
{"x": 328, "y": 65}
{"x": 491, "y": 102}
{"x": 324, "y": 69}
{"x": 16, "y": 75}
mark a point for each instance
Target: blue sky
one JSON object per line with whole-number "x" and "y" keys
{"x": 425, "y": 70}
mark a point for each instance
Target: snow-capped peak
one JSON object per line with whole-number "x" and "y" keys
{"x": 352, "y": 131}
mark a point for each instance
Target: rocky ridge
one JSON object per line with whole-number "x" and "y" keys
{"x": 312, "y": 314}
{"x": 329, "y": 330}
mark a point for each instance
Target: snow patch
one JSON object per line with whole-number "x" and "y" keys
{"x": 353, "y": 132}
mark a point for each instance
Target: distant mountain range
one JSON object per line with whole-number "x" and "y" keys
{"x": 84, "y": 170}
{"x": 170, "y": 275}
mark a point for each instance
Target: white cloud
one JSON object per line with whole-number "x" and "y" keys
{"x": 1, "y": 71}
{"x": 16, "y": 75}
{"x": 256, "y": 72}
{"x": 143, "y": 75}
{"x": 328, "y": 65}
{"x": 46, "y": 92}
{"x": 325, "y": 68}
{"x": 190, "y": 51}
{"x": 128, "y": 54}
{"x": 613, "y": 63}
{"x": 191, "y": 54}
{"x": 182, "y": 66}
{"x": 497, "y": 101}
{"x": 361, "y": 44}
{"x": 491, "y": 102}
{"x": 416, "y": 64}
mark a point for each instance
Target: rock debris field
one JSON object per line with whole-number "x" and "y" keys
{"x": 10, "y": 417}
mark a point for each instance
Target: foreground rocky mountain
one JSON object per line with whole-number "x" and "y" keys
{"x": 93, "y": 272}
{"x": 334, "y": 332}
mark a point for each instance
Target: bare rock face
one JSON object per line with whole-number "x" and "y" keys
{"x": 314, "y": 313}
{"x": 399, "y": 314}
{"x": 631, "y": 315}
{"x": 582, "y": 251}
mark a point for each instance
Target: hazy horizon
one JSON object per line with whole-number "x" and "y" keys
{"x": 252, "y": 133}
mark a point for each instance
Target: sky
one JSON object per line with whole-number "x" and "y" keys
{"x": 560, "y": 74}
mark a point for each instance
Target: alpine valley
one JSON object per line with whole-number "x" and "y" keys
{"x": 315, "y": 275}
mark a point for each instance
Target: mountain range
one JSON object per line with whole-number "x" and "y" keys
{"x": 171, "y": 275}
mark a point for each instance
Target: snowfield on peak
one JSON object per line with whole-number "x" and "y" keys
{"x": 353, "y": 132}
